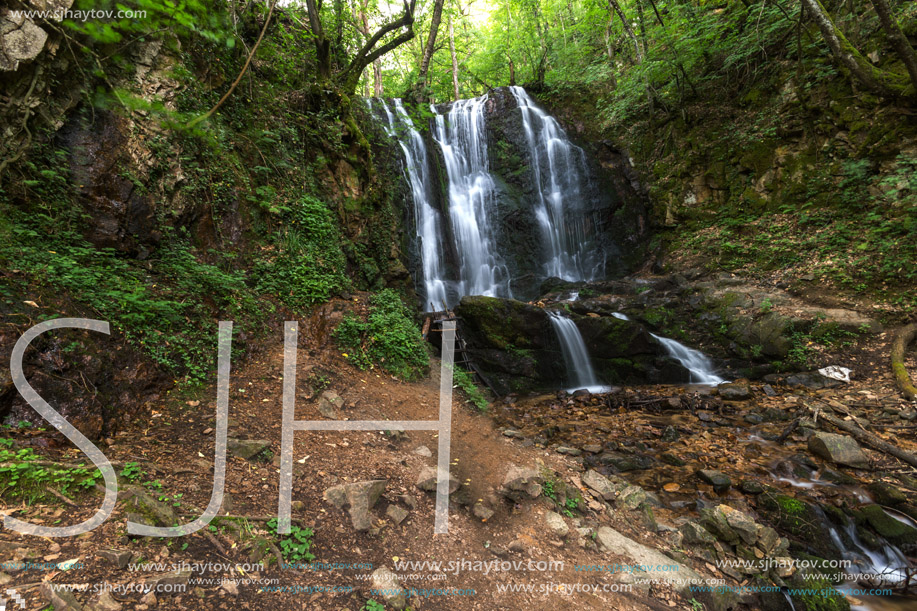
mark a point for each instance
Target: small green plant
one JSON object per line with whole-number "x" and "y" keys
{"x": 132, "y": 471}
{"x": 766, "y": 305}
{"x": 547, "y": 489}
{"x": 372, "y": 605}
{"x": 463, "y": 380}
{"x": 388, "y": 338}
{"x": 295, "y": 546}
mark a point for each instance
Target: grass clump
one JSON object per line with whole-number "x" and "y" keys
{"x": 388, "y": 338}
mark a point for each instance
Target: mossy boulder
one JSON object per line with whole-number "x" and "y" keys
{"x": 801, "y": 521}
{"x": 892, "y": 530}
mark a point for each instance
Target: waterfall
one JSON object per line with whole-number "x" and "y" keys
{"x": 695, "y": 361}
{"x": 576, "y": 357}
{"x": 427, "y": 219}
{"x": 471, "y": 198}
{"x": 560, "y": 176}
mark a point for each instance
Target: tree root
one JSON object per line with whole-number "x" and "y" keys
{"x": 899, "y": 347}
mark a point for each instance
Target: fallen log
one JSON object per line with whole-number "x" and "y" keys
{"x": 899, "y": 371}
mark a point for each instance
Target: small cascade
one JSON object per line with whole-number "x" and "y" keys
{"x": 560, "y": 178}
{"x": 696, "y": 362}
{"x": 576, "y": 357}
{"x": 427, "y": 219}
{"x": 463, "y": 141}
{"x": 888, "y": 565}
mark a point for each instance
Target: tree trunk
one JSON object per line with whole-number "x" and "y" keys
{"x": 877, "y": 81}
{"x": 899, "y": 347}
{"x": 430, "y": 47}
{"x": 512, "y": 73}
{"x": 902, "y": 46}
{"x": 377, "y": 78}
{"x": 455, "y": 81}
{"x": 629, "y": 30}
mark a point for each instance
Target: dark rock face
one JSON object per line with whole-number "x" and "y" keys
{"x": 123, "y": 216}
{"x": 516, "y": 346}
{"x": 91, "y": 379}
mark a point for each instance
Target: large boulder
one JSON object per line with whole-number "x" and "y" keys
{"x": 839, "y": 449}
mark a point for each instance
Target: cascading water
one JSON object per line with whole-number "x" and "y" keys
{"x": 427, "y": 219}
{"x": 696, "y": 362}
{"x": 559, "y": 169}
{"x": 463, "y": 141}
{"x": 576, "y": 357}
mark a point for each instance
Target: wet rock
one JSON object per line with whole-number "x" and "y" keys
{"x": 426, "y": 481}
{"x": 719, "y": 480}
{"x": 894, "y": 531}
{"x": 839, "y": 449}
{"x": 626, "y": 462}
{"x": 556, "y": 524}
{"x": 886, "y": 494}
{"x": 521, "y": 482}
{"x": 749, "y": 486}
{"x": 360, "y": 497}
{"x": 329, "y": 404}
{"x": 62, "y": 600}
{"x": 387, "y": 582}
{"x": 600, "y": 484}
{"x": 670, "y": 459}
{"x": 118, "y": 557}
{"x": 247, "y": 448}
{"x": 396, "y": 513}
{"x": 734, "y": 392}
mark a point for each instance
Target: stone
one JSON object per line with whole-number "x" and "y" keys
{"x": 328, "y": 404}
{"x": 769, "y": 390}
{"x": 482, "y": 512}
{"x": 630, "y": 497}
{"x": 741, "y": 523}
{"x": 118, "y": 557}
{"x": 670, "y": 459}
{"x": 600, "y": 484}
{"x": 886, "y": 494}
{"x": 696, "y": 534}
{"x": 423, "y": 451}
{"x": 670, "y": 434}
{"x": 719, "y": 480}
{"x": 144, "y": 509}
{"x": 426, "y": 481}
{"x": 172, "y": 578}
{"x": 894, "y": 531}
{"x": 149, "y": 599}
{"x": 768, "y": 539}
{"x": 734, "y": 391}
{"x": 626, "y": 462}
{"x": 812, "y": 380}
{"x": 359, "y": 497}
{"x": 106, "y": 603}
{"x": 62, "y": 600}
{"x": 613, "y": 542}
{"x": 393, "y": 592}
{"x": 839, "y": 449}
{"x": 556, "y": 523}
{"x": 229, "y": 586}
{"x": 568, "y": 451}
{"x": 520, "y": 482}
{"x": 247, "y": 448}
{"x": 749, "y": 486}
{"x": 592, "y": 448}
{"x": 396, "y": 513}
{"x": 513, "y": 434}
